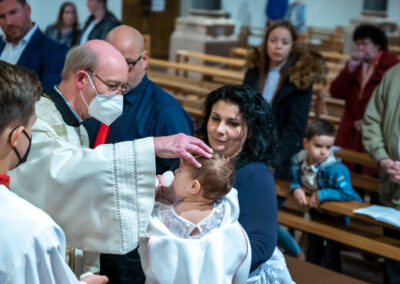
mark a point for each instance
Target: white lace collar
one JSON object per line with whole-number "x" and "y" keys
{"x": 181, "y": 227}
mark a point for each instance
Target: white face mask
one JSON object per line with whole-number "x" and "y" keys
{"x": 104, "y": 108}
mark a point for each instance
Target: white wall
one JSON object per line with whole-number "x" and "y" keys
{"x": 246, "y": 13}
{"x": 328, "y": 13}
{"x": 45, "y": 12}
{"x": 320, "y": 13}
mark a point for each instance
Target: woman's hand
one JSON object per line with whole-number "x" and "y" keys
{"x": 300, "y": 196}
{"x": 358, "y": 124}
{"x": 355, "y": 60}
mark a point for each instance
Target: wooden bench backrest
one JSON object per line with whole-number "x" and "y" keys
{"x": 386, "y": 247}
{"x": 337, "y": 57}
{"x": 247, "y": 31}
{"x": 234, "y": 76}
{"x": 185, "y": 55}
{"x": 395, "y": 49}
{"x": 147, "y": 42}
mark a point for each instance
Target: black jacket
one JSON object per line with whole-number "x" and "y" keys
{"x": 102, "y": 28}
{"x": 291, "y": 105}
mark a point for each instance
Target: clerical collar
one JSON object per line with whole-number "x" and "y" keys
{"x": 5, "y": 179}
{"x": 68, "y": 114}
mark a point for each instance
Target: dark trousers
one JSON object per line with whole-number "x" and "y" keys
{"x": 392, "y": 267}
{"x": 122, "y": 269}
{"x": 323, "y": 251}
{"x": 326, "y": 254}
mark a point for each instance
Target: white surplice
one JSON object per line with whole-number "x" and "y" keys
{"x": 101, "y": 198}
{"x": 222, "y": 255}
{"x": 32, "y": 246}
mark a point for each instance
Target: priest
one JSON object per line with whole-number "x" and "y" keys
{"x": 102, "y": 198}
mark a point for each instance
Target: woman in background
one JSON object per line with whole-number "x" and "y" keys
{"x": 284, "y": 76}
{"x": 240, "y": 124}
{"x": 356, "y": 82}
{"x": 66, "y": 29}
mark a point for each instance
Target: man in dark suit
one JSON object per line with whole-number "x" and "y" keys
{"x": 148, "y": 111}
{"x": 25, "y": 45}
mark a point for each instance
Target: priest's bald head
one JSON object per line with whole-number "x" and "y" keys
{"x": 93, "y": 68}
{"x": 130, "y": 43}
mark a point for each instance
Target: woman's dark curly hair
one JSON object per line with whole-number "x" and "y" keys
{"x": 262, "y": 138}
{"x": 375, "y": 34}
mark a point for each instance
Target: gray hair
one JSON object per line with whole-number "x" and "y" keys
{"x": 79, "y": 58}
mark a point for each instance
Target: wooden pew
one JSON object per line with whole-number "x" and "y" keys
{"x": 325, "y": 38}
{"x": 364, "y": 232}
{"x": 215, "y": 77}
{"x": 305, "y": 272}
{"x": 337, "y": 57}
{"x": 222, "y": 61}
{"x": 147, "y": 42}
{"x": 383, "y": 246}
{"x": 247, "y": 31}
{"x": 366, "y": 236}
{"x": 240, "y": 52}
{"x": 235, "y": 77}
{"x": 395, "y": 49}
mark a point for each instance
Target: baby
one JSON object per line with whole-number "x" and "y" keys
{"x": 197, "y": 238}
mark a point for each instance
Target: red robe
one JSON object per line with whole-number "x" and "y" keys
{"x": 347, "y": 86}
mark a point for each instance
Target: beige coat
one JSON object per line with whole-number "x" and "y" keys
{"x": 381, "y": 128}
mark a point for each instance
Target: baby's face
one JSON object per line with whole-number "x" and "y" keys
{"x": 183, "y": 179}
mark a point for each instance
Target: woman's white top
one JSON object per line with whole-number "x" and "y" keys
{"x": 271, "y": 83}
{"x": 273, "y": 271}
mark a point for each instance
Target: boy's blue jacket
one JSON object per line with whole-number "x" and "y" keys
{"x": 333, "y": 179}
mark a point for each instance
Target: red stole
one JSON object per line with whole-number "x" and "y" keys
{"x": 5, "y": 179}
{"x": 101, "y": 135}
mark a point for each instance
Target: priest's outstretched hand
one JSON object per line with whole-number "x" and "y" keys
{"x": 181, "y": 146}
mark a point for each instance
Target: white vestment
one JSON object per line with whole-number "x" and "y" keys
{"x": 221, "y": 256}
{"x": 101, "y": 198}
{"x": 32, "y": 246}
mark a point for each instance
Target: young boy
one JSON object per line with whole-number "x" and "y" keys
{"x": 197, "y": 238}
{"x": 316, "y": 171}
{"x": 32, "y": 246}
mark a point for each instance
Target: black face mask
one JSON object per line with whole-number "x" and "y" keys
{"x": 25, "y": 157}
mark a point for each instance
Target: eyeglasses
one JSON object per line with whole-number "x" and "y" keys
{"x": 132, "y": 63}
{"x": 112, "y": 88}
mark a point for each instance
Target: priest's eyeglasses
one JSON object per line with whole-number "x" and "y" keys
{"x": 110, "y": 86}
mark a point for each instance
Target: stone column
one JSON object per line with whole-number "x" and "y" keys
{"x": 207, "y": 29}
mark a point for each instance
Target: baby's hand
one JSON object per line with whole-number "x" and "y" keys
{"x": 163, "y": 182}
{"x": 300, "y": 196}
